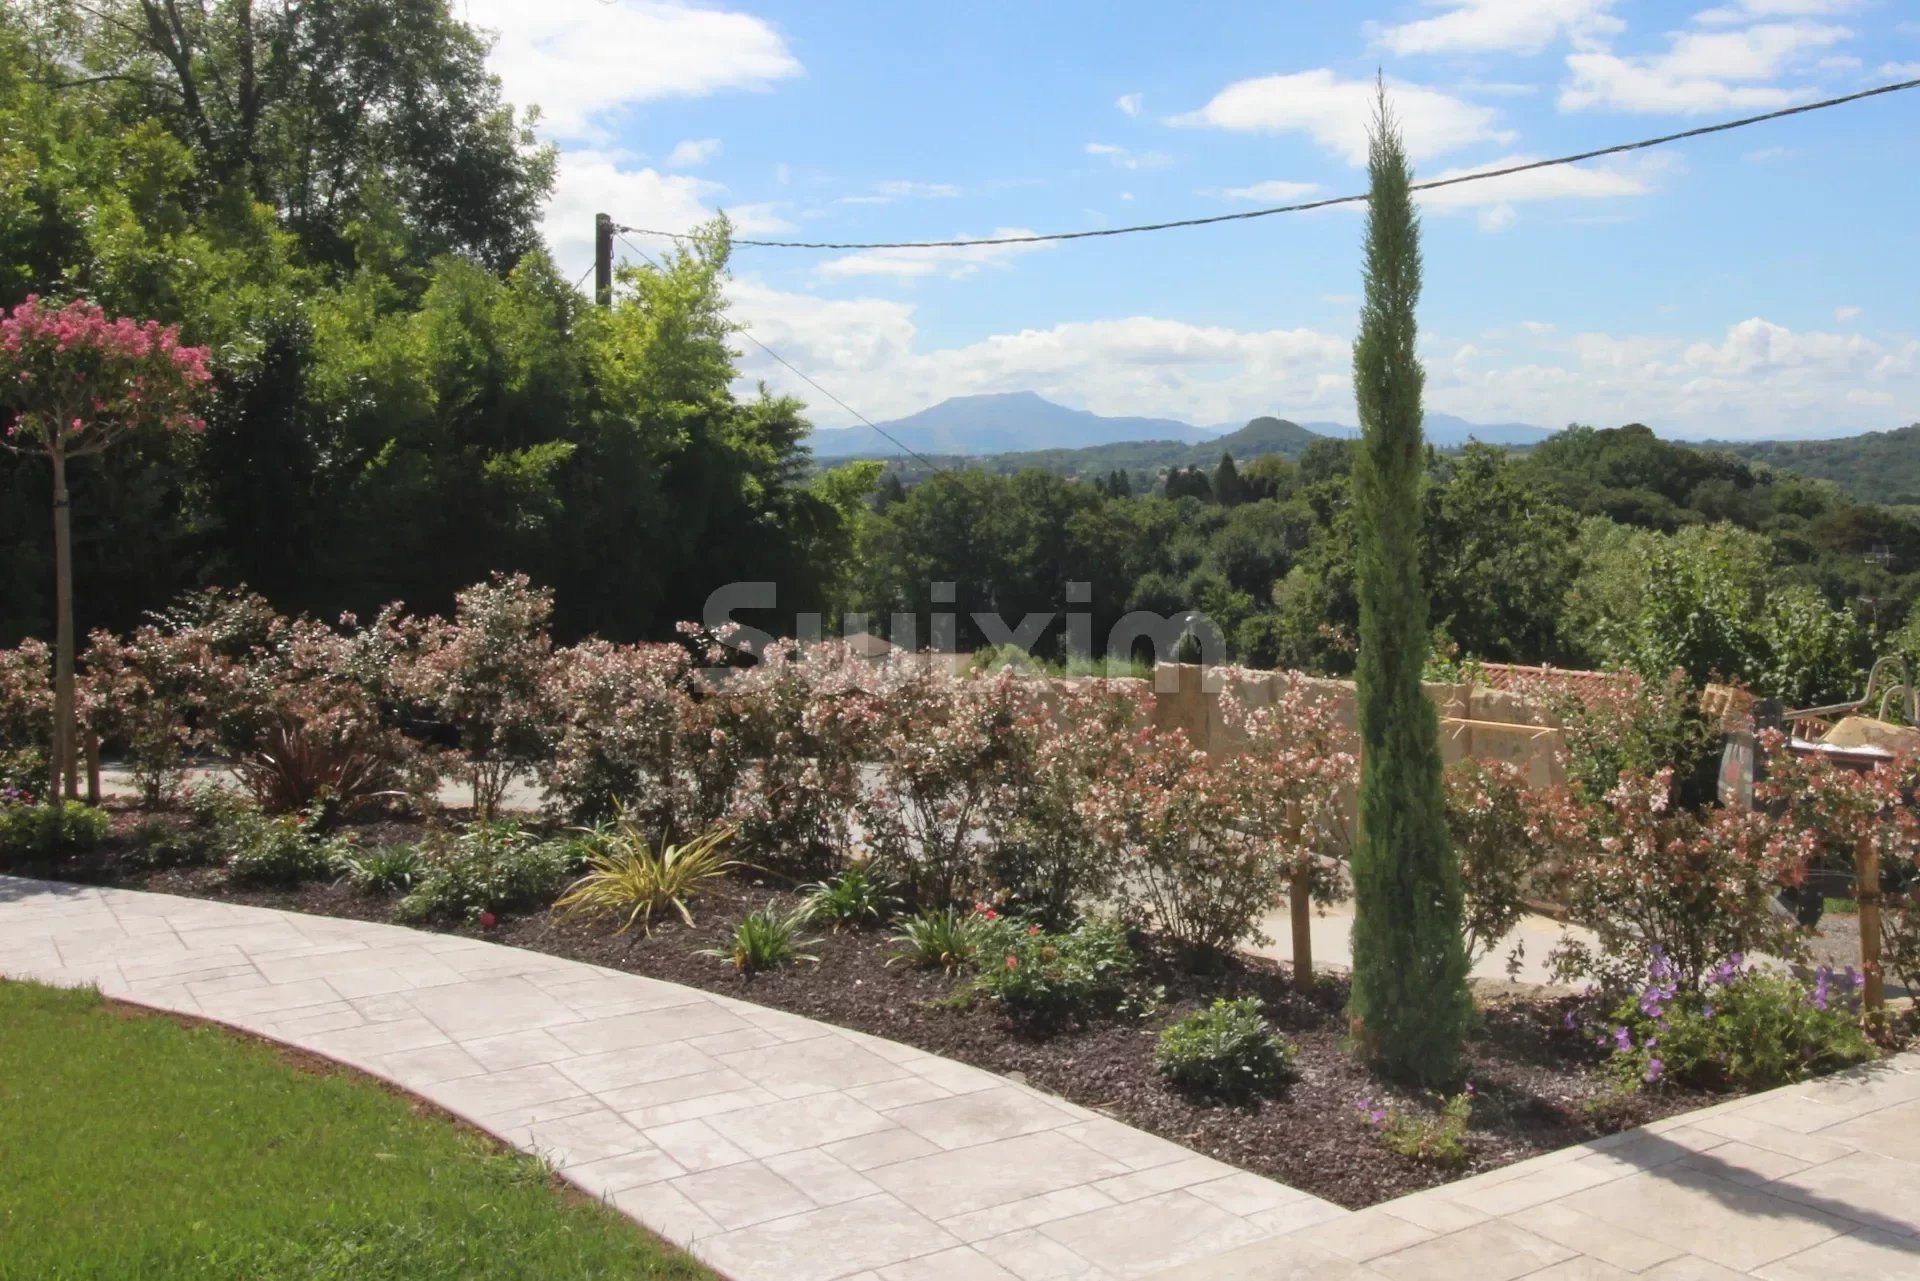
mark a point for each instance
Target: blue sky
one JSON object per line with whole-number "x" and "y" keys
{"x": 1758, "y": 283}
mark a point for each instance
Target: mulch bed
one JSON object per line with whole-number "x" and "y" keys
{"x": 1539, "y": 1085}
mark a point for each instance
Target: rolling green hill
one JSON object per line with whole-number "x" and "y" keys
{"x": 1877, "y": 467}
{"x": 1261, "y": 436}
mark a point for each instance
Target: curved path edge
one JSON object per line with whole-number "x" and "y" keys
{"x": 770, "y": 1146}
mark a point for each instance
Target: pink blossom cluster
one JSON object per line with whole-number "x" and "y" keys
{"x": 71, "y": 379}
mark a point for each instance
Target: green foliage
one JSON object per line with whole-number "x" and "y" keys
{"x": 856, "y": 898}
{"x": 160, "y": 842}
{"x": 1748, "y": 1029}
{"x": 31, "y": 834}
{"x": 1409, "y": 999}
{"x": 1227, "y": 1050}
{"x": 385, "y": 869}
{"x": 1044, "y": 975}
{"x": 1437, "y": 1139}
{"x": 493, "y": 866}
{"x": 765, "y": 940}
{"x": 628, "y": 878}
{"x": 944, "y": 939}
{"x": 280, "y": 850}
{"x": 346, "y": 1180}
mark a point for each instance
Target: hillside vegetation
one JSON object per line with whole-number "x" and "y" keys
{"x": 1876, "y": 467}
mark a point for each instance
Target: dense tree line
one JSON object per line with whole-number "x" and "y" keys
{"x": 1597, "y": 548}
{"x": 336, "y": 199}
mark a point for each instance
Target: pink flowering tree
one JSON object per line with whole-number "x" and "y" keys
{"x": 73, "y": 383}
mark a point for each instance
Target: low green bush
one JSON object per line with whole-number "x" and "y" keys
{"x": 1034, "y": 973}
{"x": 162, "y": 843}
{"x": 1746, "y": 1029}
{"x": 48, "y": 833}
{"x": 487, "y": 867}
{"x": 1227, "y": 1050}
{"x": 281, "y": 849}
{"x": 23, "y": 773}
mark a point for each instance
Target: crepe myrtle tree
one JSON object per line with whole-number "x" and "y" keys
{"x": 74, "y": 383}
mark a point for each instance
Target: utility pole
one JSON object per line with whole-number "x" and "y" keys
{"x": 603, "y": 260}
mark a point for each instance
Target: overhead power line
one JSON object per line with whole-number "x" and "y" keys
{"x": 1327, "y": 203}
{"x": 801, "y": 373}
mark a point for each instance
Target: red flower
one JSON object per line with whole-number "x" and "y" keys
{"x": 488, "y": 920}
{"x": 1013, "y": 962}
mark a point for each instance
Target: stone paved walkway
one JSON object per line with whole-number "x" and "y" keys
{"x": 773, "y": 1147}
{"x": 780, "y": 1149}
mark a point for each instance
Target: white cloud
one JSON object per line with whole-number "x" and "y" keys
{"x": 1846, "y": 314}
{"x": 1130, "y": 103}
{"x": 1901, "y": 70}
{"x": 1275, "y": 190}
{"x": 581, "y": 59}
{"x": 1750, "y": 10}
{"x": 1122, "y": 158}
{"x": 1495, "y": 198}
{"x": 885, "y": 193}
{"x": 1700, "y": 71}
{"x": 1335, "y": 113}
{"x": 1502, "y": 26}
{"x": 912, "y": 264}
{"x": 1753, "y": 379}
{"x": 591, "y": 182}
{"x": 693, "y": 153}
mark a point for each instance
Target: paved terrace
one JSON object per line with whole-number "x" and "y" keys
{"x": 780, "y": 1149}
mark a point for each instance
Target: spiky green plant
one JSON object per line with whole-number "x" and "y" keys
{"x": 766, "y": 940}
{"x": 1410, "y": 1002}
{"x": 855, "y": 898}
{"x": 943, "y": 940}
{"x": 628, "y": 877}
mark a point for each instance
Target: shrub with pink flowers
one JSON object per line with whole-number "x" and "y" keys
{"x": 946, "y": 754}
{"x": 486, "y": 673}
{"x": 621, "y": 714}
{"x": 805, "y": 718}
{"x": 26, "y": 717}
{"x": 1686, "y": 886}
{"x": 1514, "y": 839}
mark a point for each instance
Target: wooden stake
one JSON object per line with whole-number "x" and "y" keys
{"x": 1301, "y": 895}
{"x": 1866, "y": 892}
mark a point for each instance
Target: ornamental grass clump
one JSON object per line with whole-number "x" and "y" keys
{"x": 630, "y": 878}
{"x": 1226, "y": 1051}
{"x": 1747, "y": 1028}
{"x": 855, "y": 899}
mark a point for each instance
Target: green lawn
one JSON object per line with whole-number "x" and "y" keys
{"x": 132, "y": 1147}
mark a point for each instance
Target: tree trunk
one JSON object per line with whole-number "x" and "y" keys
{"x": 1300, "y": 895}
{"x": 65, "y": 737}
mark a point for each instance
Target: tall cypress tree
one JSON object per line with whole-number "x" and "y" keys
{"x": 1410, "y": 999}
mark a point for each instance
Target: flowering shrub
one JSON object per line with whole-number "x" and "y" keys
{"x": 1686, "y": 886}
{"x": 73, "y": 383}
{"x": 622, "y": 715}
{"x": 47, "y": 833}
{"x": 1043, "y": 975}
{"x": 1746, "y": 1029}
{"x": 1438, "y": 1140}
{"x": 485, "y": 673}
{"x": 947, "y": 753}
{"x": 1168, "y": 815}
{"x": 488, "y": 867}
{"x": 805, "y": 719}
{"x": 1511, "y": 837}
{"x": 150, "y": 696}
{"x": 26, "y": 704}
{"x": 1633, "y": 726}
{"x": 1227, "y": 1050}
{"x": 1049, "y": 858}
{"x": 1288, "y": 782}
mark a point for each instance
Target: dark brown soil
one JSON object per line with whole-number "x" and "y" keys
{"x": 1538, "y": 1085}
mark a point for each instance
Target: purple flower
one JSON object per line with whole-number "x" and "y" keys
{"x": 1855, "y": 979}
{"x": 1654, "y": 1068}
{"x": 1820, "y": 988}
{"x": 1706, "y": 1011}
{"x": 1569, "y": 1022}
{"x": 1622, "y": 1039}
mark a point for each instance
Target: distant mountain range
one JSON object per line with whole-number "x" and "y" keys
{"x": 1023, "y": 422}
